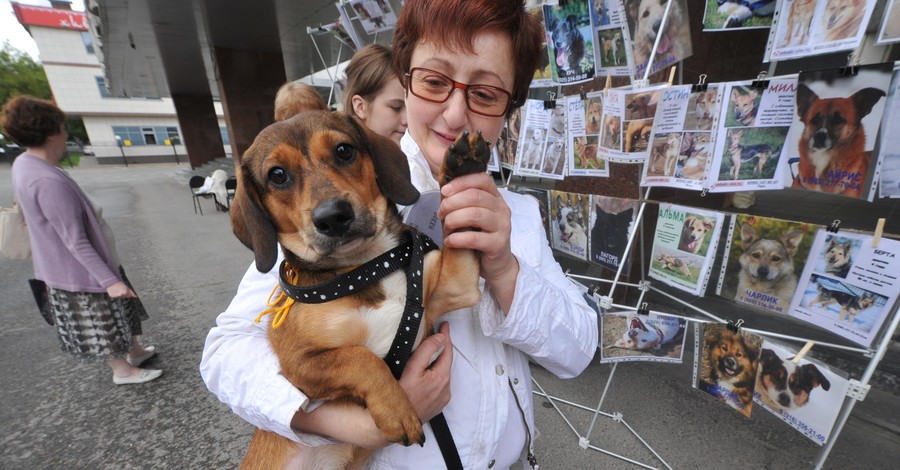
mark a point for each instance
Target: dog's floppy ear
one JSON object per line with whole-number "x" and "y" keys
{"x": 391, "y": 167}
{"x": 791, "y": 240}
{"x": 805, "y": 99}
{"x": 818, "y": 379}
{"x": 250, "y": 223}
{"x": 865, "y": 100}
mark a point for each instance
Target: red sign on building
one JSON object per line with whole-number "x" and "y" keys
{"x": 29, "y": 15}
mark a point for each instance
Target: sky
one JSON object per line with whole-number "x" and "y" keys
{"x": 12, "y": 31}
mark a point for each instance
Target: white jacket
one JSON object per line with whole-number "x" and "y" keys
{"x": 549, "y": 322}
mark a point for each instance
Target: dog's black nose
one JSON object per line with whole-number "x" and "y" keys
{"x": 762, "y": 271}
{"x": 820, "y": 138}
{"x": 333, "y": 217}
{"x": 784, "y": 400}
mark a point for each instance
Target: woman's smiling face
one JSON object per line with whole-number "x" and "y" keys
{"x": 434, "y": 126}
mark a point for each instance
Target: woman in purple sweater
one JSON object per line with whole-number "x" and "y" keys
{"x": 98, "y": 315}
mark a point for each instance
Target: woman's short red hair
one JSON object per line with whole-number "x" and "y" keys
{"x": 453, "y": 24}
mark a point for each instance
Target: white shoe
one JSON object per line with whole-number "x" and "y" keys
{"x": 137, "y": 361}
{"x": 144, "y": 375}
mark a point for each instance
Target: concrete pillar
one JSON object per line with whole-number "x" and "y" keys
{"x": 199, "y": 128}
{"x": 248, "y": 81}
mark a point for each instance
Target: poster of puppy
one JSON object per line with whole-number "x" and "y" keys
{"x": 532, "y": 138}
{"x": 890, "y": 25}
{"x": 568, "y": 223}
{"x": 612, "y": 54}
{"x": 811, "y": 27}
{"x": 732, "y": 15}
{"x": 889, "y": 147}
{"x": 543, "y": 76}
{"x": 543, "y": 205}
{"x": 626, "y": 337}
{"x": 805, "y": 394}
{"x": 848, "y": 287}
{"x": 763, "y": 259}
{"x": 681, "y": 141}
{"x": 628, "y": 116}
{"x": 570, "y": 43}
{"x": 374, "y": 15}
{"x": 612, "y": 220}
{"x": 644, "y": 20}
{"x": 684, "y": 247}
{"x": 728, "y": 365}
{"x": 750, "y": 138}
{"x": 835, "y": 128}
{"x": 584, "y": 135}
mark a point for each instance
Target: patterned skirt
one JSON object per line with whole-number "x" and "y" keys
{"x": 95, "y": 327}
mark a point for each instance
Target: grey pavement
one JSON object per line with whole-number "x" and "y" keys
{"x": 58, "y": 413}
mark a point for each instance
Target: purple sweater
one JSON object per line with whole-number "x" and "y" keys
{"x": 67, "y": 244}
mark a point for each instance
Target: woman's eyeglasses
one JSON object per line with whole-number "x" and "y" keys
{"x": 436, "y": 87}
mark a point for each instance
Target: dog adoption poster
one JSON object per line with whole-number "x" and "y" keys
{"x": 733, "y": 15}
{"x": 627, "y": 123}
{"x": 612, "y": 220}
{"x": 752, "y": 129}
{"x": 543, "y": 77}
{"x": 681, "y": 140}
{"x": 375, "y": 15}
{"x": 763, "y": 257}
{"x": 644, "y": 19}
{"x": 543, "y": 206}
{"x": 584, "y": 135}
{"x": 728, "y": 365}
{"x": 806, "y": 394}
{"x": 849, "y": 287}
{"x": 835, "y": 129}
{"x": 627, "y": 337}
{"x": 684, "y": 247}
{"x": 568, "y": 223}
{"x": 810, "y": 27}
{"x": 890, "y": 25}
{"x": 570, "y": 43}
{"x": 532, "y": 137}
{"x": 612, "y": 55}
{"x": 889, "y": 147}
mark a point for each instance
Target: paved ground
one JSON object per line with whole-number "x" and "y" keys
{"x": 58, "y": 413}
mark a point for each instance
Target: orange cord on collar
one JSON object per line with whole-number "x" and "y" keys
{"x": 281, "y": 306}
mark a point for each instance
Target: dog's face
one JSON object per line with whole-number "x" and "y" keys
{"x": 646, "y": 18}
{"x": 734, "y": 139}
{"x": 704, "y": 104}
{"x": 744, "y": 105}
{"x": 837, "y": 254}
{"x": 569, "y": 218}
{"x": 568, "y": 43}
{"x": 322, "y": 186}
{"x": 840, "y": 13}
{"x": 639, "y": 337}
{"x": 765, "y": 259}
{"x": 832, "y": 122}
{"x": 695, "y": 229}
{"x": 866, "y": 301}
{"x": 732, "y": 358}
{"x": 786, "y": 384}
{"x": 611, "y": 230}
{"x": 593, "y": 116}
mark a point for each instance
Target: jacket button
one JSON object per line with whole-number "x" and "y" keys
{"x": 516, "y": 381}
{"x": 491, "y": 463}
{"x": 499, "y": 369}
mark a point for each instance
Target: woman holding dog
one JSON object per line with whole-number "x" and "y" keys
{"x": 374, "y": 93}
{"x": 466, "y": 65}
{"x": 98, "y": 316}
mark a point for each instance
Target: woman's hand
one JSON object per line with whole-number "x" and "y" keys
{"x": 428, "y": 385}
{"x": 120, "y": 290}
{"x": 473, "y": 201}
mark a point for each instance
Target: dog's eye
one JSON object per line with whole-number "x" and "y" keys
{"x": 344, "y": 152}
{"x": 278, "y": 176}
{"x": 776, "y": 258}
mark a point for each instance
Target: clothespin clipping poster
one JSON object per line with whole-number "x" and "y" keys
{"x": 701, "y": 84}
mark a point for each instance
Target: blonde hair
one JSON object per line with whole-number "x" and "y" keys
{"x": 369, "y": 70}
{"x": 292, "y": 98}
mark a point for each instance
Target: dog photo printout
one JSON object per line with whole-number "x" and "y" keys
{"x": 835, "y": 129}
{"x": 571, "y": 42}
{"x": 627, "y": 123}
{"x": 553, "y": 161}
{"x": 612, "y": 53}
{"x": 568, "y": 223}
{"x": 543, "y": 205}
{"x": 889, "y": 144}
{"x": 684, "y": 247}
{"x": 612, "y": 220}
{"x": 634, "y": 337}
{"x": 752, "y": 128}
{"x": 812, "y": 27}
{"x": 728, "y": 365}
{"x": 532, "y": 137}
{"x": 508, "y": 141}
{"x": 890, "y": 26}
{"x": 849, "y": 287}
{"x": 805, "y": 394}
{"x": 375, "y": 15}
{"x": 681, "y": 140}
{"x": 543, "y": 76}
{"x": 584, "y": 134}
{"x": 644, "y": 19}
{"x": 763, "y": 257}
{"x": 732, "y": 15}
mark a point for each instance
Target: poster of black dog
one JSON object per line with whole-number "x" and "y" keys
{"x": 611, "y": 222}
{"x": 571, "y": 44}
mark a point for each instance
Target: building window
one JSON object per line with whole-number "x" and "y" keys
{"x": 88, "y": 42}
{"x": 172, "y": 135}
{"x": 101, "y": 85}
{"x": 146, "y": 135}
{"x": 149, "y": 135}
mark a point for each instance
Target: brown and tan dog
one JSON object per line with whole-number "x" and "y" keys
{"x": 325, "y": 189}
{"x": 843, "y": 18}
{"x": 833, "y": 157}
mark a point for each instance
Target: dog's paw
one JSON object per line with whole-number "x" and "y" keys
{"x": 399, "y": 423}
{"x": 469, "y": 154}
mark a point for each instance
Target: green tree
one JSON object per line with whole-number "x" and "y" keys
{"x": 21, "y": 75}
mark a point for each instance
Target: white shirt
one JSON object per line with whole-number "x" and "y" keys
{"x": 549, "y": 323}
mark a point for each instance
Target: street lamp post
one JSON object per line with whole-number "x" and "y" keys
{"x": 121, "y": 149}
